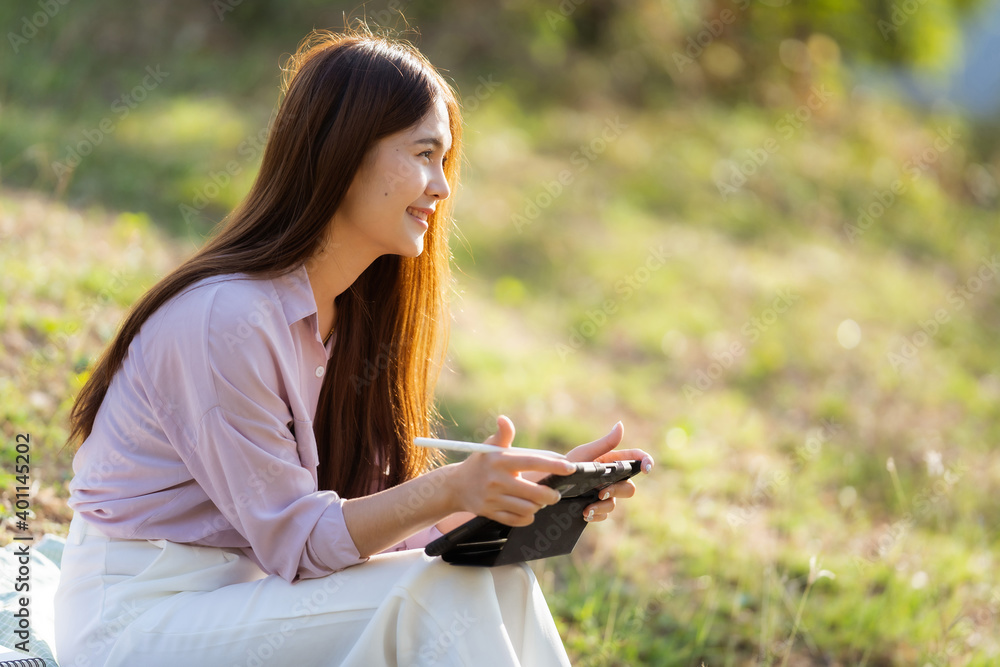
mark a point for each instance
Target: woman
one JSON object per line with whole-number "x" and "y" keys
{"x": 239, "y": 453}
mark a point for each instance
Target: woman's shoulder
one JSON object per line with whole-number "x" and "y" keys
{"x": 199, "y": 342}
{"x": 225, "y": 298}
{"x": 219, "y": 308}
{"x": 230, "y": 285}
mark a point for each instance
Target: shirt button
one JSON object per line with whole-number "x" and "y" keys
{"x": 319, "y": 371}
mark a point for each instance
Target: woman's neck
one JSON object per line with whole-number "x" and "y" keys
{"x": 331, "y": 271}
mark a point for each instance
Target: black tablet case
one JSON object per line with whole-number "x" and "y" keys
{"x": 486, "y": 543}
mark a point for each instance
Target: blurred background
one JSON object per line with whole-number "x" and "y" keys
{"x": 762, "y": 234}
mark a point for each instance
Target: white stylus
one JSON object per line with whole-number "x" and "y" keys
{"x": 459, "y": 446}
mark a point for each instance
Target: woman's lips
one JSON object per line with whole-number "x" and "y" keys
{"x": 419, "y": 215}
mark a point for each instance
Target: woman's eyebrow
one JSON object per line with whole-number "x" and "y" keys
{"x": 433, "y": 141}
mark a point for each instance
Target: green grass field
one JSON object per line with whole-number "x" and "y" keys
{"x": 796, "y": 318}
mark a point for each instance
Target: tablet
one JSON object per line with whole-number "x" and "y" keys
{"x": 555, "y": 531}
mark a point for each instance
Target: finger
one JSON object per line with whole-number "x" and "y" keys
{"x": 505, "y": 433}
{"x": 593, "y": 450}
{"x": 624, "y": 455}
{"x": 624, "y": 489}
{"x": 629, "y": 455}
{"x": 516, "y": 510}
{"x": 598, "y": 511}
{"x": 511, "y": 519}
{"x": 519, "y": 505}
{"x": 539, "y": 494}
{"x": 537, "y": 462}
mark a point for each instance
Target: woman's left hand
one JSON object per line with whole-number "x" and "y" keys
{"x": 603, "y": 450}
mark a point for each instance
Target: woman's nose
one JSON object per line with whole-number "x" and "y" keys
{"x": 438, "y": 185}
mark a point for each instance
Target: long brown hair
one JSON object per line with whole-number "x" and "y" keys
{"x": 342, "y": 93}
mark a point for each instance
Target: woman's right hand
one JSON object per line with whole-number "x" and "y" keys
{"x": 490, "y": 485}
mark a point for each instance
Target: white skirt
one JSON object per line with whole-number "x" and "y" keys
{"x": 154, "y": 602}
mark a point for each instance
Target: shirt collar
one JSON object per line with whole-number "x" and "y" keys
{"x": 295, "y": 294}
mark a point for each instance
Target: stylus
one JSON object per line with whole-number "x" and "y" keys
{"x": 459, "y": 446}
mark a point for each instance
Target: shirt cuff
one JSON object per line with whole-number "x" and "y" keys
{"x": 331, "y": 542}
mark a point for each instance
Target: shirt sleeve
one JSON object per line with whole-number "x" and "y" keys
{"x": 229, "y": 415}
{"x": 253, "y": 476}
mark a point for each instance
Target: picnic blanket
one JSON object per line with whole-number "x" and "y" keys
{"x": 44, "y": 558}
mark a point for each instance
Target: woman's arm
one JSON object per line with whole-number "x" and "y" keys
{"x": 487, "y": 485}
{"x": 490, "y": 485}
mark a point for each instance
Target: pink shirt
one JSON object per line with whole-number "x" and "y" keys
{"x": 206, "y": 437}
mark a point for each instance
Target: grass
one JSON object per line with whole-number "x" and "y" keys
{"x": 639, "y": 293}
{"x": 782, "y": 455}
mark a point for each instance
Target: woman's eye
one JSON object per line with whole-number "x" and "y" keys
{"x": 428, "y": 154}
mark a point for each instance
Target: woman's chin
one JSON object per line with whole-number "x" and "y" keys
{"x": 415, "y": 249}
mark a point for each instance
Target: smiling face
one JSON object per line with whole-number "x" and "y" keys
{"x": 386, "y": 208}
